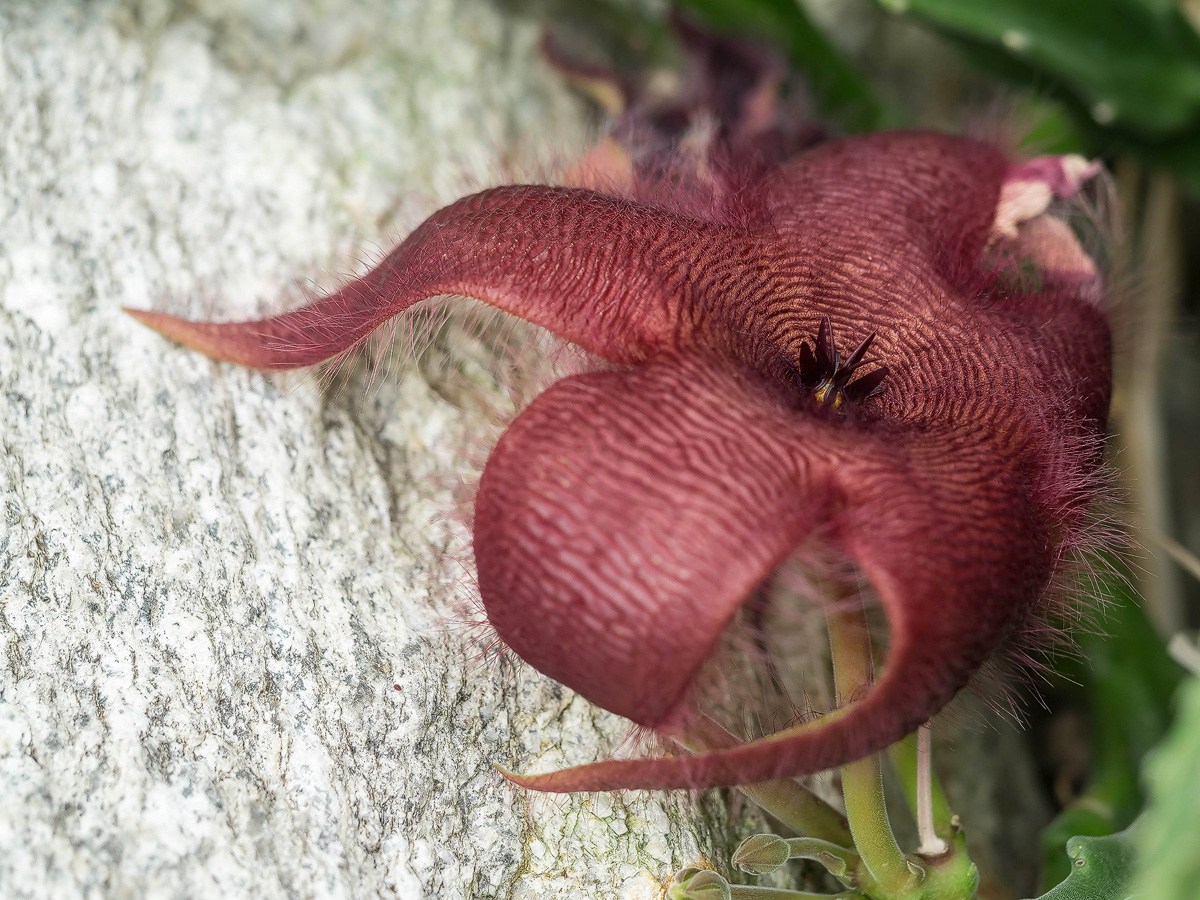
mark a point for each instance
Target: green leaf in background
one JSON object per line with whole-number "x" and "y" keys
{"x": 1101, "y": 868}
{"x": 1169, "y": 833}
{"x": 1128, "y": 70}
{"x": 1048, "y": 129}
{"x": 1128, "y": 680}
{"x": 839, "y": 87}
{"x": 1130, "y": 62}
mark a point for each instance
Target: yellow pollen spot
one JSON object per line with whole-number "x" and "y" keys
{"x": 823, "y": 390}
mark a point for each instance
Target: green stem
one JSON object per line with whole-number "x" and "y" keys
{"x": 1137, "y": 395}
{"x": 786, "y": 800}
{"x": 862, "y": 781}
{"x": 838, "y": 860}
{"x": 800, "y": 810}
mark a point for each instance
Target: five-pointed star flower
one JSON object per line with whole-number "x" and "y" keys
{"x": 627, "y": 513}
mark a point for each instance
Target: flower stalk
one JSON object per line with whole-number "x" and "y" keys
{"x": 786, "y": 799}
{"x": 861, "y": 851}
{"x": 799, "y": 809}
{"x": 907, "y": 762}
{"x": 931, "y": 843}
{"x": 862, "y": 780}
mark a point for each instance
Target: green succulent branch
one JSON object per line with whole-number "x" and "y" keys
{"x": 786, "y": 800}
{"x": 764, "y": 853}
{"x": 861, "y": 851}
{"x": 888, "y": 872}
{"x": 800, "y": 810}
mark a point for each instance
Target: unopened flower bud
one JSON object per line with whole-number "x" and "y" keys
{"x": 699, "y": 884}
{"x": 761, "y": 854}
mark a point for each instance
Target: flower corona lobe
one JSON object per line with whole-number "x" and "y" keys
{"x": 626, "y": 514}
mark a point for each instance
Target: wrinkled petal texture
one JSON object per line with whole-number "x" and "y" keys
{"x": 624, "y": 517}
{"x": 891, "y": 504}
{"x": 952, "y": 491}
{"x": 626, "y": 514}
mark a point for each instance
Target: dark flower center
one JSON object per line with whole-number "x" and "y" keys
{"x": 827, "y": 375}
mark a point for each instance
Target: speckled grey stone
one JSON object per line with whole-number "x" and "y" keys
{"x": 228, "y": 665}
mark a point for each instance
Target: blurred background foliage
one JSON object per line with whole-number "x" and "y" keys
{"x": 1117, "y": 80}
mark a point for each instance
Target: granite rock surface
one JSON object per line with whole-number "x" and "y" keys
{"x": 230, "y": 667}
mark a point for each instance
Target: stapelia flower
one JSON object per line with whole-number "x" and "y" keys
{"x": 627, "y": 513}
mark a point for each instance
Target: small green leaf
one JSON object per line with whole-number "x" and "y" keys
{"x": 1080, "y": 819}
{"x": 761, "y": 854}
{"x": 698, "y": 884}
{"x": 1101, "y": 868}
{"x": 1169, "y": 835}
{"x": 1128, "y": 680}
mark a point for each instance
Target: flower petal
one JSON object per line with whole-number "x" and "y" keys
{"x": 608, "y": 274}
{"x": 894, "y": 195}
{"x": 625, "y": 516}
{"x": 946, "y": 532}
{"x": 1030, "y": 186}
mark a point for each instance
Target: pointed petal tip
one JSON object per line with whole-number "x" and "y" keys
{"x": 194, "y": 335}
{"x": 508, "y": 776}
{"x": 182, "y": 331}
{"x": 265, "y": 344}
{"x": 145, "y": 316}
{"x": 547, "y": 782}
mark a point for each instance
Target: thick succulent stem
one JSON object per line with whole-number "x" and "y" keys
{"x": 799, "y": 809}
{"x": 862, "y": 781}
{"x": 786, "y": 799}
{"x": 764, "y": 853}
{"x": 754, "y": 892}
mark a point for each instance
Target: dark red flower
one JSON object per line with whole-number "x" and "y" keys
{"x": 627, "y": 514}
